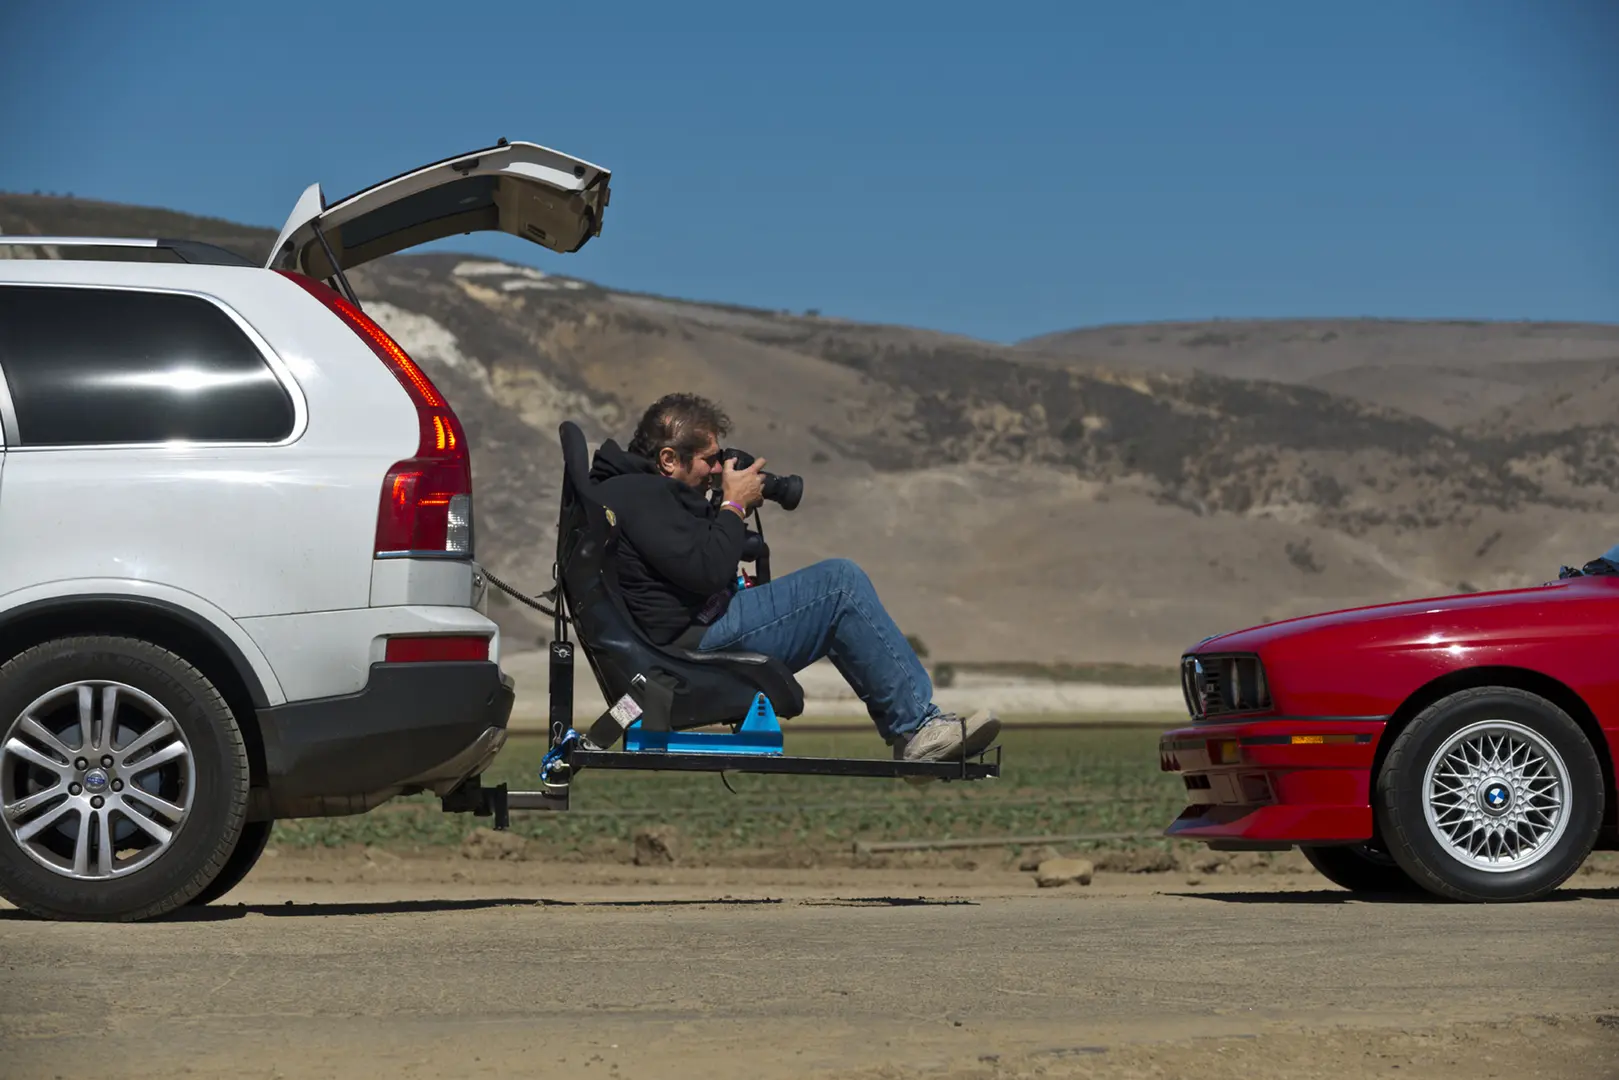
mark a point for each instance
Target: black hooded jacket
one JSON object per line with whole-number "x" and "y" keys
{"x": 675, "y": 552}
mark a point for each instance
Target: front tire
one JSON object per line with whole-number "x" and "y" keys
{"x": 1361, "y": 868}
{"x": 123, "y": 780}
{"x": 1490, "y": 794}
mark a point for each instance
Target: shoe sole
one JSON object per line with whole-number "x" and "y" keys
{"x": 983, "y": 738}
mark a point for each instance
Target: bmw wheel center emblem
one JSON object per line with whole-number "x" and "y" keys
{"x": 1497, "y": 796}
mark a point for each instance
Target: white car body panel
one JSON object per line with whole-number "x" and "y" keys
{"x": 150, "y": 590}
{"x": 325, "y": 653}
{"x": 398, "y": 582}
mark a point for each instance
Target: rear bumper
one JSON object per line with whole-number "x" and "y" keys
{"x": 413, "y": 727}
{"x": 1251, "y": 784}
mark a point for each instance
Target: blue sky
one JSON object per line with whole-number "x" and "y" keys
{"x": 998, "y": 170}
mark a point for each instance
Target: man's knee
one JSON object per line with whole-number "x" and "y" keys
{"x": 846, "y": 571}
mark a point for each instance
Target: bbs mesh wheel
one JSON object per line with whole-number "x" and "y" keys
{"x": 1491, "y": 794}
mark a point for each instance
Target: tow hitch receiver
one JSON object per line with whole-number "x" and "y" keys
{"x": 471, "y": 797}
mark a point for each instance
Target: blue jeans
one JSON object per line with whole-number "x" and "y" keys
{"x": 831, "y": 609}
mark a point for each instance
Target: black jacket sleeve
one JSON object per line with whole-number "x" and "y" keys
{"x": 682, "y": 539}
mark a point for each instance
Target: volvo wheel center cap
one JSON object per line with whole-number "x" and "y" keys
{"x": 95, "y": 780}
{"x": 1496, "y": 797}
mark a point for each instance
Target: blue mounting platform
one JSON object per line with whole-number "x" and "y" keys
{"x": 760, "y": 733}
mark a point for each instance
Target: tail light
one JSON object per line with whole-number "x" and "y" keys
{"x": 426, "y": 507}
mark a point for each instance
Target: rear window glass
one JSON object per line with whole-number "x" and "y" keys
{"x": 472, "y": 196}
{"x": 88, "y": 365}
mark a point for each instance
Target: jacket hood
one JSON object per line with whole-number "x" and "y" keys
{"x": 613, "y": 460}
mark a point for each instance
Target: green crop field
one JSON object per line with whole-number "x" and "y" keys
{"x": 1053, "y": 782}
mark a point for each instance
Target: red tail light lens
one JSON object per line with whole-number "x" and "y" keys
{"x": 425, "y": 510}
{"x": 427, "y": 648}
{"x": 426, "y": 505}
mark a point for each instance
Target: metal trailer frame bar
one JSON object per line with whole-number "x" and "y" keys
{"x": 566, "y": 755}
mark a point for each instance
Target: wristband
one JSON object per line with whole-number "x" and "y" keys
{"x": 741, "y": 511}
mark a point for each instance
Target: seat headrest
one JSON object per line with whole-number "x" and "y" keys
{"x": 575, "y": 458}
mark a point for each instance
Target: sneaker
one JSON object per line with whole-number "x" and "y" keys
{"x": 948, "y": 737}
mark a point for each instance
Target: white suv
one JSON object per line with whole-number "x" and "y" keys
{"x": 236, "y": 546}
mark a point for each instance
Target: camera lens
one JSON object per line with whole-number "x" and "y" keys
{"x": 784, "y": 490}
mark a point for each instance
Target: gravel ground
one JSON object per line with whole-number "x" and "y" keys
{"x": 372, "y": 963}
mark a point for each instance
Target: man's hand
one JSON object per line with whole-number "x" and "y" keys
{"x": 744, "y": 487}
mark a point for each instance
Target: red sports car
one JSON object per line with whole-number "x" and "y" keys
{"x": 1464, "y": 744}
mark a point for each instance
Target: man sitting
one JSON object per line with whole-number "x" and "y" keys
{"x": 677, "y": 565}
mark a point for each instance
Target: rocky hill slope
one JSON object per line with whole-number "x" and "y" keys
{"x": 1111, "y": 494}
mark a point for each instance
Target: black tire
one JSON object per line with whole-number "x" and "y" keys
{"x": 255, "y": 835}
{"x": 1400, "y": 801}
{"x": 1361, "y": 868}
{"x": 202, "y": 842}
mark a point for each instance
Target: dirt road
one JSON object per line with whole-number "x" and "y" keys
{"x": 389, "y": 967}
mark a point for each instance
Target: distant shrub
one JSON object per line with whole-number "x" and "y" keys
{"x": 1300, "y": 555}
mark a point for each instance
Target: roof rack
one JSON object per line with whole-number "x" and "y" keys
{"x": 187, "y": 251}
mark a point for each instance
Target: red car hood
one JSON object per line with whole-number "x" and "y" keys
{"x": 1472, "y": 615}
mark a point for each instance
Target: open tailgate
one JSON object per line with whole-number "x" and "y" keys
{"x": 521, "y": 188}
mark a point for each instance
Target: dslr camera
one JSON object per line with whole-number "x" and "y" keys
{"x": 784, "y": 491}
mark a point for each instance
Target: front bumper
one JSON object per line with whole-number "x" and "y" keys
{"x": 414, "y": 727}
{"x": 1273, "y": 783}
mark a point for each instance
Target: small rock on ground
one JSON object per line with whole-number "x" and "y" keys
{"x": 656, "y": 846}
{"x": 1055, "y": 872}
{"x": 1034, "y": 857}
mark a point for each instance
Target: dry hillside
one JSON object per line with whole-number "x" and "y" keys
{"x": 1107, "y": 494}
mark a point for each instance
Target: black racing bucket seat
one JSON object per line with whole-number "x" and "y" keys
{"x": 676, "y": 688}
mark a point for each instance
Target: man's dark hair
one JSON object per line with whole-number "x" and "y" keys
{"x": 681, "y": 421}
